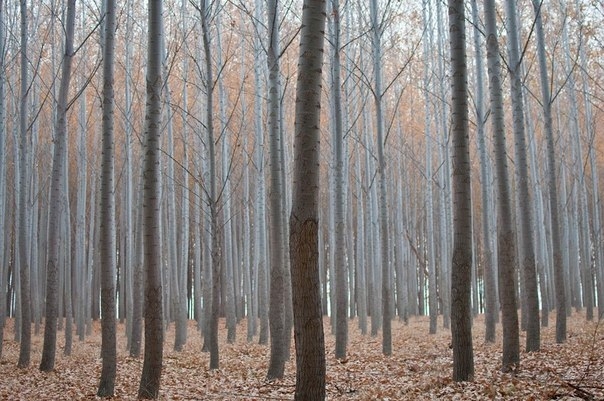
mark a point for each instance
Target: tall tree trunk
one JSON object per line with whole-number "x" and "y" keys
{"x": 56, "y": 198}
{"x": 490, "y": 302}
{"x": 526, "y": 252}
{"x": 79, "y": 256}
{"x": 461, "y": 314}
{"x": 382, "y": 177}
{"x": 24, "y": 290}
{"x": 107, "y": 209}
{"x": 259, "y": 217}
{"x": 183, "y": 248}
{"x": 308, "y": 323}
{"x": 553, "y": 194}
{"x": 341, "y": 284}
{"x": 431, "y": 259}
{"x": 154, "y": 336}
{"x": 277, "y": 279}
{"x": 216, "y": 258}
{"x": 506, "y": 249}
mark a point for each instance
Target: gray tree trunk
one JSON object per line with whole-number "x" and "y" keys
{"x": 57, "y": 197}
{"x": 553, "y": 194}
{"x": 276, "y": 191}
{"x": 526, "y": 251}
{"x": 490, "y": 296}
{"x": 431, "y": 256}
{"x": 382, "y": 177}
{"x": 211, "y": 330}
{"x": 24, "y": 290}
{"x": 340, "y": 279}
{"x": 506, "y": 250}
{"x": 79, "y": 257}
{"x": 180, "y": 336}
{"x": 107, "y": 209}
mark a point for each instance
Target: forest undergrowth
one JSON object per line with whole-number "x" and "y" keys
{"x": 419, "y": 368}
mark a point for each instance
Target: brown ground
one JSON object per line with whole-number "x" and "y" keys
{"x": 419, "y": 369}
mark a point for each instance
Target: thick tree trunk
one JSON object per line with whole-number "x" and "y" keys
{"x": 154, "y": 336}
{"x": 308, "y": 323}
{"x": 461, "y": 315}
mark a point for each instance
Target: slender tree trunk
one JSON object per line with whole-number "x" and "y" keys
{"x": 56, "y": 198}
{"x": 490, "y": 309}
{"x": 431, "y": 259}
{"x": 506, "y": 249}
{"x": 154, "y": 336}
{"x": 79, "y": 256}
{"x": 25, "y": 306}
{"x": 277, "y": 281}
{"x": 382, "y": 177}
{"x": 107, "y": 209}
{"x": 552, "y": 186}
{"x": 308, "y": 323}
{"x": 523, "y": 196}
{"x": 341, "y": 284}
{"x": 216, "y": 258}
{"x": 67, "y": 266}
{"x": 461, "y": 315}
{"x": 361, "y": 261}
{"x": 183, "y": 249}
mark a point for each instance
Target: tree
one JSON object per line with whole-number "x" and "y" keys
{"x": 211, "y": 330}
{"x": 506, "y": 249}
{"x": 154, "y": 336}
{"x": 527, "y": 261}
{"x": 304, "y": 225}
{"x": 25, "y": 347}
{"x": 341, "y": 284}
{"x": 553, "y": 194}
{"x": 376, "y": 30}
{"x": 490, "y": 308}
{"x": 430, "y": 256}
{"x": 277, "y": 282}
{"x": 57, "y": 197}
{"x": 461, "y": 314}
{"x": 107, "y": 210}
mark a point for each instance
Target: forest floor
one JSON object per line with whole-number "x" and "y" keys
{"x": 420, "y": 368}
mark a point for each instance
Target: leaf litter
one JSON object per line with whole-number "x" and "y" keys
{"x": 419, "y": 368}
